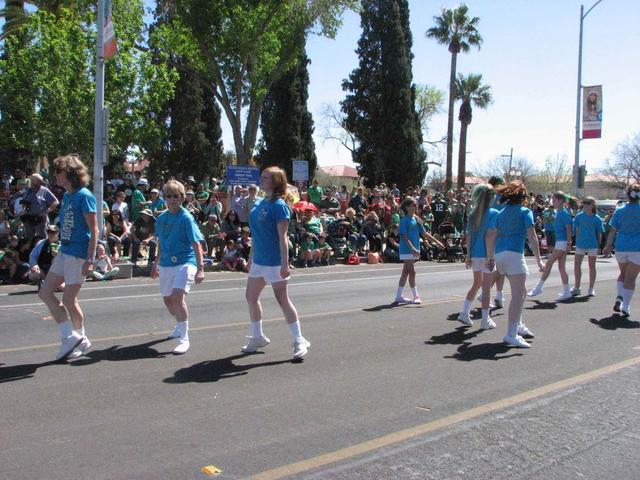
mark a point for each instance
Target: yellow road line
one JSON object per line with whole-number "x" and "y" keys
{"x": 216, "y": 327}
{"x": 406, "y": 434}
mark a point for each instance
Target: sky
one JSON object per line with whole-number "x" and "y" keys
{"x": 529, "y": 58}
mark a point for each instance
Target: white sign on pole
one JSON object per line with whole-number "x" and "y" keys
{"x": 300, "y": 171}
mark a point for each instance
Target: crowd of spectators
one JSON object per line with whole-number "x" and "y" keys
{"x": 329, "y": 223}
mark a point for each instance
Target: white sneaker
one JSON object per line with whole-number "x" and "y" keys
{"x": 617, "y": 304}
{"x": 465, "y": 319}
{"x": 565, "y": 295}
{"x": 592, "y": 292}
{"x": 300, "y": 348}
{"x": 498, "y": 303}
{"x": 68, "y": 345}
{"x": 255, "y": 343}
{"x": 402, "y": 300}
{"x": 487, "y": 324}
{"x": 575, "y": 292}
{"x": 625, "y": 312}
{"x": 516, "y": 341}
{"x": 81, "y": 349}
{"x": 537, "y": 290}
{"x": 417, "y": 300}
{"x": 175, "y": 334}
{"x": 524, "y": 332}
{"x": 182, "y": 347}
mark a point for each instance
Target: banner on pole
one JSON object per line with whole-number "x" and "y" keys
{"x": 109, "y": 33}
{"x": 592, "y": 111}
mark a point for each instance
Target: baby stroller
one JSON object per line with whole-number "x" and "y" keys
{"x": 452, "y": 241}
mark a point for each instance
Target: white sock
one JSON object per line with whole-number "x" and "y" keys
{"x": 256, "y": 329}
{"x": 466, "y": 307}
{"x": 512, "y": 328}
{"x": 65, "y": 329}
{"x": 399, "y": 292}
{"x": 566, "y": 287}
{"x": 540, "y": 283}
{"x": 184, "y": 329}
{"x": 295, "y": 330}
{"x": 626, "y": 298}
{"x": 485, "y": 315}
{"x": 499, "y": 295}
{"x": 414, "y": 292}
{"x": 620, "y": 288}
{"x": 80, "y": 332}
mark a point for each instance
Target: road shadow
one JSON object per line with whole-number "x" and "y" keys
{"x": 484, "y": 351}
{"x": 24, "y": 292}
{"x": 118, "y": 353}
{"x": 540, "y": 305}
{"x": 459, "y": 336}
{"x": 387, "y": 306}
{"x": 222, "y": 368}
{"x": 614, "y": 322}
{"x": 475, "y": 314}
{"x": 22, "y": 372}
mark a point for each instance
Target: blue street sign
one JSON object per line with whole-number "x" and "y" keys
{"x": 243, "y": 175}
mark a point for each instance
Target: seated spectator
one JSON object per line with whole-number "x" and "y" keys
{"x": 211, "y": 233}
{"x": 117, "y": 231}
{"x": 42, "y": 256}
{"x": 329, "y": 204}
{"x": 356, "y": 238}
{"x": 324, "y": 249}
{"x": 201, "y": 195}
{"x": 373, "y": 231}
{"x": 339, "y": 240}
{"x": 308, "y": 254}
{"x": 245, "y": 243}
{"x": 392, "y": 250}
{"x": 311, "y": 223}
{"x": 143, "y": 234}
{"x": 192, "y": 206}
{"x": 212, "y": 207}
{"x": 157, "y": 204}
{"x": 315, "y": 193}
{"x": 121, "y": 205}
{"x": 231, "y": 258}
{"x": 230, "y": 226}
{"x": 102, "y": 268}
{"x": 12, "y": 270}
{"x": 5, "y": 228}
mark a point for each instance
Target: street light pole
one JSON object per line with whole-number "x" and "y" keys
{"x": 510, "y": 163}
{"x": 576, "y": 162}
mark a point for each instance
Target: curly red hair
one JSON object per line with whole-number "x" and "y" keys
{"x": 513, "y": 192}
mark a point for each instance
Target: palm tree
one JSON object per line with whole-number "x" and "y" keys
{"x": 472, "y": 93}
{"x": 457, "y": 30}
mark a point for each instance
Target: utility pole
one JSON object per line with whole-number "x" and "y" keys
{"x": 510, "y": 164}
{"x": 99, "y": 137}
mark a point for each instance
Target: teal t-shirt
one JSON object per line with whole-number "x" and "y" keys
{"x": 74, "y": 230}
{"x": 176, "y": 233}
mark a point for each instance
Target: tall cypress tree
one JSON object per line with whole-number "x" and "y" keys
{"x": 380, "y": 104}
{"x": 286, "y": 124}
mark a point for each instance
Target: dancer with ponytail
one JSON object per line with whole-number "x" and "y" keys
{"x": 505, "y": 240}
{"x": 563, "y": 228}
{"x": 481, "y": 217}
{"x": 625, "y": 231}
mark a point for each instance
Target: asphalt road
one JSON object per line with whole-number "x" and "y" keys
{"x": 385, "y": 392}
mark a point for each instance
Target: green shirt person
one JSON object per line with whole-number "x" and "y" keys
{"x": 315, "y": 193}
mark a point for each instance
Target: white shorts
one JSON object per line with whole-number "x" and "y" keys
{"x": 592, "y": 252}
{"x": 560, "y": 245}
{"x": 511, "y": 263}
{"x": 409, "y": 256}
{"x": 270, "y": 274}
{"x": 625, "y": 257}
{"x": 69, "y": 267}
{"x": 180, "y": 277}
{"x": 479, "y": 264}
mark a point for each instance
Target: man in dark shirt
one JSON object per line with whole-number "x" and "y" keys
{"x": 143, "y": 233}
{"x": 358, "y": 201}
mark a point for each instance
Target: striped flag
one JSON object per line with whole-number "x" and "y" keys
{"x": 110, "y": 41}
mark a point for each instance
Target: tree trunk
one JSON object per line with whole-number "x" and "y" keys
{"x": 452, "y": 97}
{"x": 462, "y": 154}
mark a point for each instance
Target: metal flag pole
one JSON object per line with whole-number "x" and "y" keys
{"x": 99, "y": 134}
